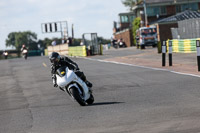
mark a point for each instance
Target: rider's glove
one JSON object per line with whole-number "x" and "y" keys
{"x": 76, "y": 69}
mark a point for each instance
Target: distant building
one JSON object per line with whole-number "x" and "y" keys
{"x": 159, "y": 9}
{"x": 122, "y": 30}
{"x": 156, "y": 11}
{"x": 173, "y": 28}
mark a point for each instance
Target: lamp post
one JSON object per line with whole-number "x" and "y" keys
{"x": 145, "y": 12}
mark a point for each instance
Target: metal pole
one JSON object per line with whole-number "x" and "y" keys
{"x": 198, "y": 54}
{"x": 67, "y": 29}
{"x": 145, "y": 12}
{"x": 163, "y": 53}
{"x": 61, "y": 30}
{"x": 170, "y": 53}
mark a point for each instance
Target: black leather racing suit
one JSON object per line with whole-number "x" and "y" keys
{"x": 65, "y": 61}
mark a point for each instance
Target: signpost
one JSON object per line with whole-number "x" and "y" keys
{"x": 54, "y": 27}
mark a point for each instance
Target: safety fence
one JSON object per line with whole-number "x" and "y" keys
{"x": 183, "y": 45}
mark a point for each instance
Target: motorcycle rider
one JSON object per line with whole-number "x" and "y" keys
{"x": 23, "y": 49}
{"x": 57, "y": 61}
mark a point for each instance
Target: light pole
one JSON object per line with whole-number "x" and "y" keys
{"x": 145, "y": 12}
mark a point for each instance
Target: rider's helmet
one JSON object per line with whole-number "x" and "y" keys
{"x": 54, "y": 58}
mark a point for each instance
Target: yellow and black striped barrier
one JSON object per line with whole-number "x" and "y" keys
{"x": 183, "y": 45}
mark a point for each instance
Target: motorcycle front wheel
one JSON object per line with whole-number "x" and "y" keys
{"x": 77, "y": 97}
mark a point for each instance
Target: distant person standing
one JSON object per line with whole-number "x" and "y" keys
{"x": 69, "y": 41}
{"x": 81, "y": 43}
{"x": 53, "y": 43}
{"x": 5, "y": 53}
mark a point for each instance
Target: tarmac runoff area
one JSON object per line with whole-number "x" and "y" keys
{"x": 183, "y": 63}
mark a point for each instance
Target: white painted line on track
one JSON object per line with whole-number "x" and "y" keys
{"x": 152, "y": 68}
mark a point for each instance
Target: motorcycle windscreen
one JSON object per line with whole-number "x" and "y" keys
{"x": 61, "y": 71}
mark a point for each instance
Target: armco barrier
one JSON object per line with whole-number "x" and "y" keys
{"x": 183, "y": 45}
{"x": 77, "y": 51}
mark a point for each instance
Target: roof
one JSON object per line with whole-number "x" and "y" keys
{"x": 127, "y": 13}
{"x": 147, "y": 27}
{"x": 158, "y": 1}
{"x": 168, "y": 1}
{"x": 163, "y": 2}
{"x": 188, "y": 14}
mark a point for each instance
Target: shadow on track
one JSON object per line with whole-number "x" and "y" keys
{"x": 105, "y": 103}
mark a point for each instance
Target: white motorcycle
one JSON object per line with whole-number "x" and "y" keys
{"x": 25, "y": 53}
{"x": 68, "y": 81}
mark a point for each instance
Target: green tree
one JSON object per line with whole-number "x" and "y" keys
{"x": 103, "y": 40}
{"x": 136, "y": 25}
{"x": 17, "y": 39}
{"x": 131, "y": 3}
{"x": 76, "y": 41}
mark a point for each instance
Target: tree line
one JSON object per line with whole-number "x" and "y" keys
{"x": 17, "y": 39}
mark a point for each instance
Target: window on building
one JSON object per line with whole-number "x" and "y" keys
{"x": 163, "y": 10}
{"x": 189, "y": 6}
{"x": 131, "y": 18}
{"x": 124, "y": 19}
{"x": 178, "y": 8}
{"x": 185, "y": 7}
{"x": 193, "y": 6}
{"x": 153, "y": 11}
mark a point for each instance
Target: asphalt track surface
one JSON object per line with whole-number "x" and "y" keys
{"x": 128, "y": 99}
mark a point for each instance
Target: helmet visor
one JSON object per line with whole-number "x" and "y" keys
{"x": 54, "y": 60}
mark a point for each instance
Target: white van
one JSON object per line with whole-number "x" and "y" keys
{"x": 146, "y": 36}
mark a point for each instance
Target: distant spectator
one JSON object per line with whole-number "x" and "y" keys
{"x": 81, "y": 43}
{"x": 69, "y": 41}
{"x": 64, "y": 41}
{"x": 53, "y": 43}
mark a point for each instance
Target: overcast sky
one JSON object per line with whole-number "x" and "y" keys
{"x": 86, "y": 15}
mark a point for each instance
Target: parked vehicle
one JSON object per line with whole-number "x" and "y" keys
{"x": 121, "y": 43}
{"x": 146, "y": 36}
{"x": 69, "y": 82}
{"x": 115, "y": 43}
